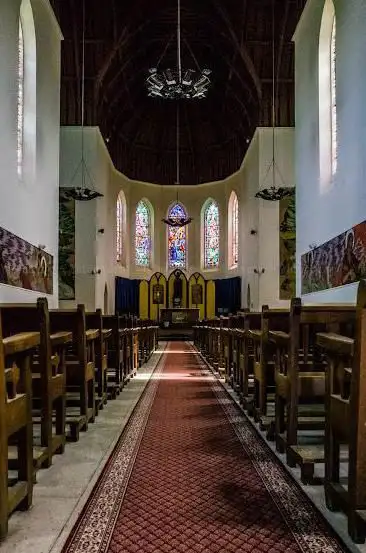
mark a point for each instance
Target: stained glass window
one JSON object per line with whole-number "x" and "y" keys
{"x": 20, "y": 104}
{"x": 177, "y": 239}
{"x": 233, "y": 234}
{"x": 142, "y": 235}
{"x": 211, "y": 236}
{"x": 333, "y": 97}
{"x": 120, "y": 221}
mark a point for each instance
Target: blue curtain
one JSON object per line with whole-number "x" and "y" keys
{"x": 227, "y": 295}
{"x": 127, "y": 296}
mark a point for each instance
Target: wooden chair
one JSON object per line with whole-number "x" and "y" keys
{"x": 48, "y": 378}
{"x": 300, "y": 382}
{"x": 346, "y": 419}
{"x": 16, "y": 421}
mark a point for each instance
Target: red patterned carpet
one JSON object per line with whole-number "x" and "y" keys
{"x": 189, "y": 474}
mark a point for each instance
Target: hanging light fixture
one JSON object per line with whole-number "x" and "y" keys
{"x": 82, "y": 193}
{"x": 176, "y": 221}
{"x": 274, "y": 193}
{"x": 178, "y": 84}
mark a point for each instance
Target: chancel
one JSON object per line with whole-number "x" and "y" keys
{"x": 182, "y": 276}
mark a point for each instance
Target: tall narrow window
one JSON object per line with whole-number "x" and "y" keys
{"x": 20, "y": 112}
{"x": 333, "y": 97}
{"x": 211, "y": 235}
{"x": 120, "y": 228}
{"x": 233, "y": 231}
{"x": 177, "y": 239}
{"x": 142, "y": 235}
{"x": 328, "y": 147}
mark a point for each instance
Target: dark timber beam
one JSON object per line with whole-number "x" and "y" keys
{"x": 240, "y": 47}
{"x": 77, "y": 57}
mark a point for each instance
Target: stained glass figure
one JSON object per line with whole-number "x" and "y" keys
{"x": 177, "y": 239}
{"x": 120, "y": 212}
{"x": 211, "y": 236}
{"x": 233, "y": 230}
{"x": 20, "y": 101}
{"x": 142, "y": 235}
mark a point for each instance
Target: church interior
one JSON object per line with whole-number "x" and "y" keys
{"x": 182, "y": 276}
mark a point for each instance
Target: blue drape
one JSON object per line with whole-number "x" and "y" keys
{"x": 227, "y": 295}
{"x": 127, "y": 296}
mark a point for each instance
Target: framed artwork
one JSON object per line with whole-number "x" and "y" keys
{"x": 158, "y": 294}
{"x": 23, "y": 265}
{"x": 197, "y": 294}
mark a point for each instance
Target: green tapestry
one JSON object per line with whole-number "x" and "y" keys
{"x": 287, "y": 213}
{"x": 66, "y": 260}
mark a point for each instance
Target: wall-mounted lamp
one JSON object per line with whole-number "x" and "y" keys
{"x": 96, "y": 272}
{"x": 253, "y": 231}
{"x": 259, "y": 271}
{"x": 101, "y": 230}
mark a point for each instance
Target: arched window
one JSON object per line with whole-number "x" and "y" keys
{"x": 211, "y": 235}
{"x": 20, "y": 104}
{"x": 233, "y": 230}
{"x": 177, "y": 239}
{"x": 143, "y": 235}
{"x": 328, "y": 139}
{"x": 333, "y": 93}
{"x": 120, "y": 228}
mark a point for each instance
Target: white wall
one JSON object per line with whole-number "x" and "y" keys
{"x": 29, "y": 207}
{"x": 97, "y": 251}
{"x": 323, "y": 214}
{"x": 261, "y": 251}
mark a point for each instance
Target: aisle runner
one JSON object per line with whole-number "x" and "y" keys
{"x": 190, "y": 474}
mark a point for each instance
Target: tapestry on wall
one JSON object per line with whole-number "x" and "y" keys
{"x": 287, "y": 213}
{"x": 340, "y": 261}
{"x": 66, "y": 255}
{"x": 23, "y": 265}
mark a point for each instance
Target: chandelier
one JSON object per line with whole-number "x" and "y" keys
{"x": 177, "y": 84}
{"x": 81, "y": 194}
{"x": 274, "y": 193}
{"x": 169, "y": 85}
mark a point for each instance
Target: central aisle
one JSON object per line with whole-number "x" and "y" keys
{"x": 189, "y": 474}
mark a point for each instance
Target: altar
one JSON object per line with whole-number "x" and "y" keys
{"x": 176, "y": 323}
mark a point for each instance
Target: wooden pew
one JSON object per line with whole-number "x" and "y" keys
{"x": 346, "y": 419}
{"x": 80, "y": 368}
{"x": 16, "y": 421}
{"x": 300, "y": 382}
{"x": 235, "y": 322}
{"x": 116, "y": 355}
{"x": 48, "y": 378}
{"x": 249, "y": 351}
{"x": 135, "y": 345}
{"x": 223, "y": 344}
{"x": 264, "y": 352}
{"x": 127, "y": 340}
{"x": 94, "y": 321}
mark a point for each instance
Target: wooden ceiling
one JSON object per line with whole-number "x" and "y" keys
{"x": 124, "y": 39}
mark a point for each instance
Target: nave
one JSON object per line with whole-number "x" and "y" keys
{"x": 208, "y": 483}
